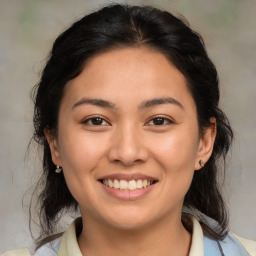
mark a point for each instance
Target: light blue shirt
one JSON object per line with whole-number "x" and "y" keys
{"x": 201, "y": 245}
{"x": 230, "y": 246}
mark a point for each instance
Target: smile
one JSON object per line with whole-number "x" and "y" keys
{"x": 131, "y": 186}
{"x": 127, "y": 185}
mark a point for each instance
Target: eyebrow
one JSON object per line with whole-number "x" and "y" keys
{"x": 159, "y": 101}
{"x": 144, "y": 104}
{"x": 95, "y": 102}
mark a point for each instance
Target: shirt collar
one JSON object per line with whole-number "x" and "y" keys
{"x": 197, "y": 244}
{"x": 69, "y": 244}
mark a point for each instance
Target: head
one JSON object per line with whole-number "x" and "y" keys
{"x": 137, "y": 32}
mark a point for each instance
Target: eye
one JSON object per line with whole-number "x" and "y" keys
{"x": 95, "y": 121}
{"x": 159, "y": 120}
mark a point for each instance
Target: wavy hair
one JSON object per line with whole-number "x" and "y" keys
{"x": 117, "y": 26}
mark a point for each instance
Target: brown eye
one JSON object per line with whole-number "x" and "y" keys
{"x": 160, "y": 121}
{"x": 95, "y": 121}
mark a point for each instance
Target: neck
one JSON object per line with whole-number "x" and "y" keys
{"x": 163, "y": 238}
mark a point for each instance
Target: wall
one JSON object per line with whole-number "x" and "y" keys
{"x": 27, "y": 30}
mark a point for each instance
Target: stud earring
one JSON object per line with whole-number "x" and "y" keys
{"x": 58, "y": 169}
{"x": 201, "y": 162}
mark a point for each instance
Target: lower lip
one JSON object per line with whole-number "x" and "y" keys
{"x": 128, "y": 194}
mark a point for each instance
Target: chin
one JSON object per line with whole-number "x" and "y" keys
{"x": 129, "y": 219}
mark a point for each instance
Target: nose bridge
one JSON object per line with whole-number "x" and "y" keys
{"x": 127, "y": 145}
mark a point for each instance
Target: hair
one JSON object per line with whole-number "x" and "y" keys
{"x": 121, "y": 26}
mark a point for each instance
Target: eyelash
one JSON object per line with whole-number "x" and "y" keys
{"x": 89, "y": 121}
{"x": 166, "y": 120}
{"x": 86, "y": 121}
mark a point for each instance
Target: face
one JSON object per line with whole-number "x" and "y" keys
{"x": 128, "y": 138}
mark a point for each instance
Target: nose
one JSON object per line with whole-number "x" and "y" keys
{"x": 127, "y": 147}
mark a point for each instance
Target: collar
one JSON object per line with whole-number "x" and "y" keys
{"x": 197, "y": 243}
{"x": 69, "y": 245}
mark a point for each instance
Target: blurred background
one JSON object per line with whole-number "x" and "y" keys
{"x": 27, "y": 31}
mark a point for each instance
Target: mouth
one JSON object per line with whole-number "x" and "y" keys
{"x": 128, "y": 185}
{"x": 132, "y": 186}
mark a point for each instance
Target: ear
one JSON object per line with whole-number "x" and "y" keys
{"x": 206, "y": 144}
{"x": 52, "y": 141}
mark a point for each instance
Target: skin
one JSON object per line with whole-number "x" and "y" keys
{"x": 128, "y": 139}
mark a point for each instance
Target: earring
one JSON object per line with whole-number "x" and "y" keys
{"x": 58, "y": 169}
{"x": 201, "y": 162}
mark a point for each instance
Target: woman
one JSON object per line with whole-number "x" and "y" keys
{"x": 127, "y": 114}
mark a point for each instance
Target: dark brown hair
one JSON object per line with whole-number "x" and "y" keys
{"x": 117, "y": 26}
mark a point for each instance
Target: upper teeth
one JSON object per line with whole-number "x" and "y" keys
{"x": 127, "y": 185}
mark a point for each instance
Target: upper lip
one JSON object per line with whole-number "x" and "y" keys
{"x": 128, "y": 177}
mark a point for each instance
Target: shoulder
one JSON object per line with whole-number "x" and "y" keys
{"x": 19, "y": 252}
{"x": 231, "y": 245}
{"x": 49, "y": 249}
{"x": 66, "y": 244}
{"x": 249, "y": 245}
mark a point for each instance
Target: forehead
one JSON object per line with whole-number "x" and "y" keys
{"x": 129, "y": 73}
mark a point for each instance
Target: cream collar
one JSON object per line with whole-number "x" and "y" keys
{"x": 69, "y": 245}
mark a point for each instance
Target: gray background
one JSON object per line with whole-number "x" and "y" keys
{"x": 27, "y": 30}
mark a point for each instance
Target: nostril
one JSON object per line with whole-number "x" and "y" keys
{"x": 128, "y": 151}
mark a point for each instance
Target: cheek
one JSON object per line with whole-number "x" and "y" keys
{"x": 80, "y": 154}
{"x": 78, "y": 148}
{"x": 176, "y": 149}
{"x": 176, "y": 154}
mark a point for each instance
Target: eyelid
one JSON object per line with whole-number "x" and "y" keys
{"x": 89, "y": 118}
{"x": 170, "y": 120}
